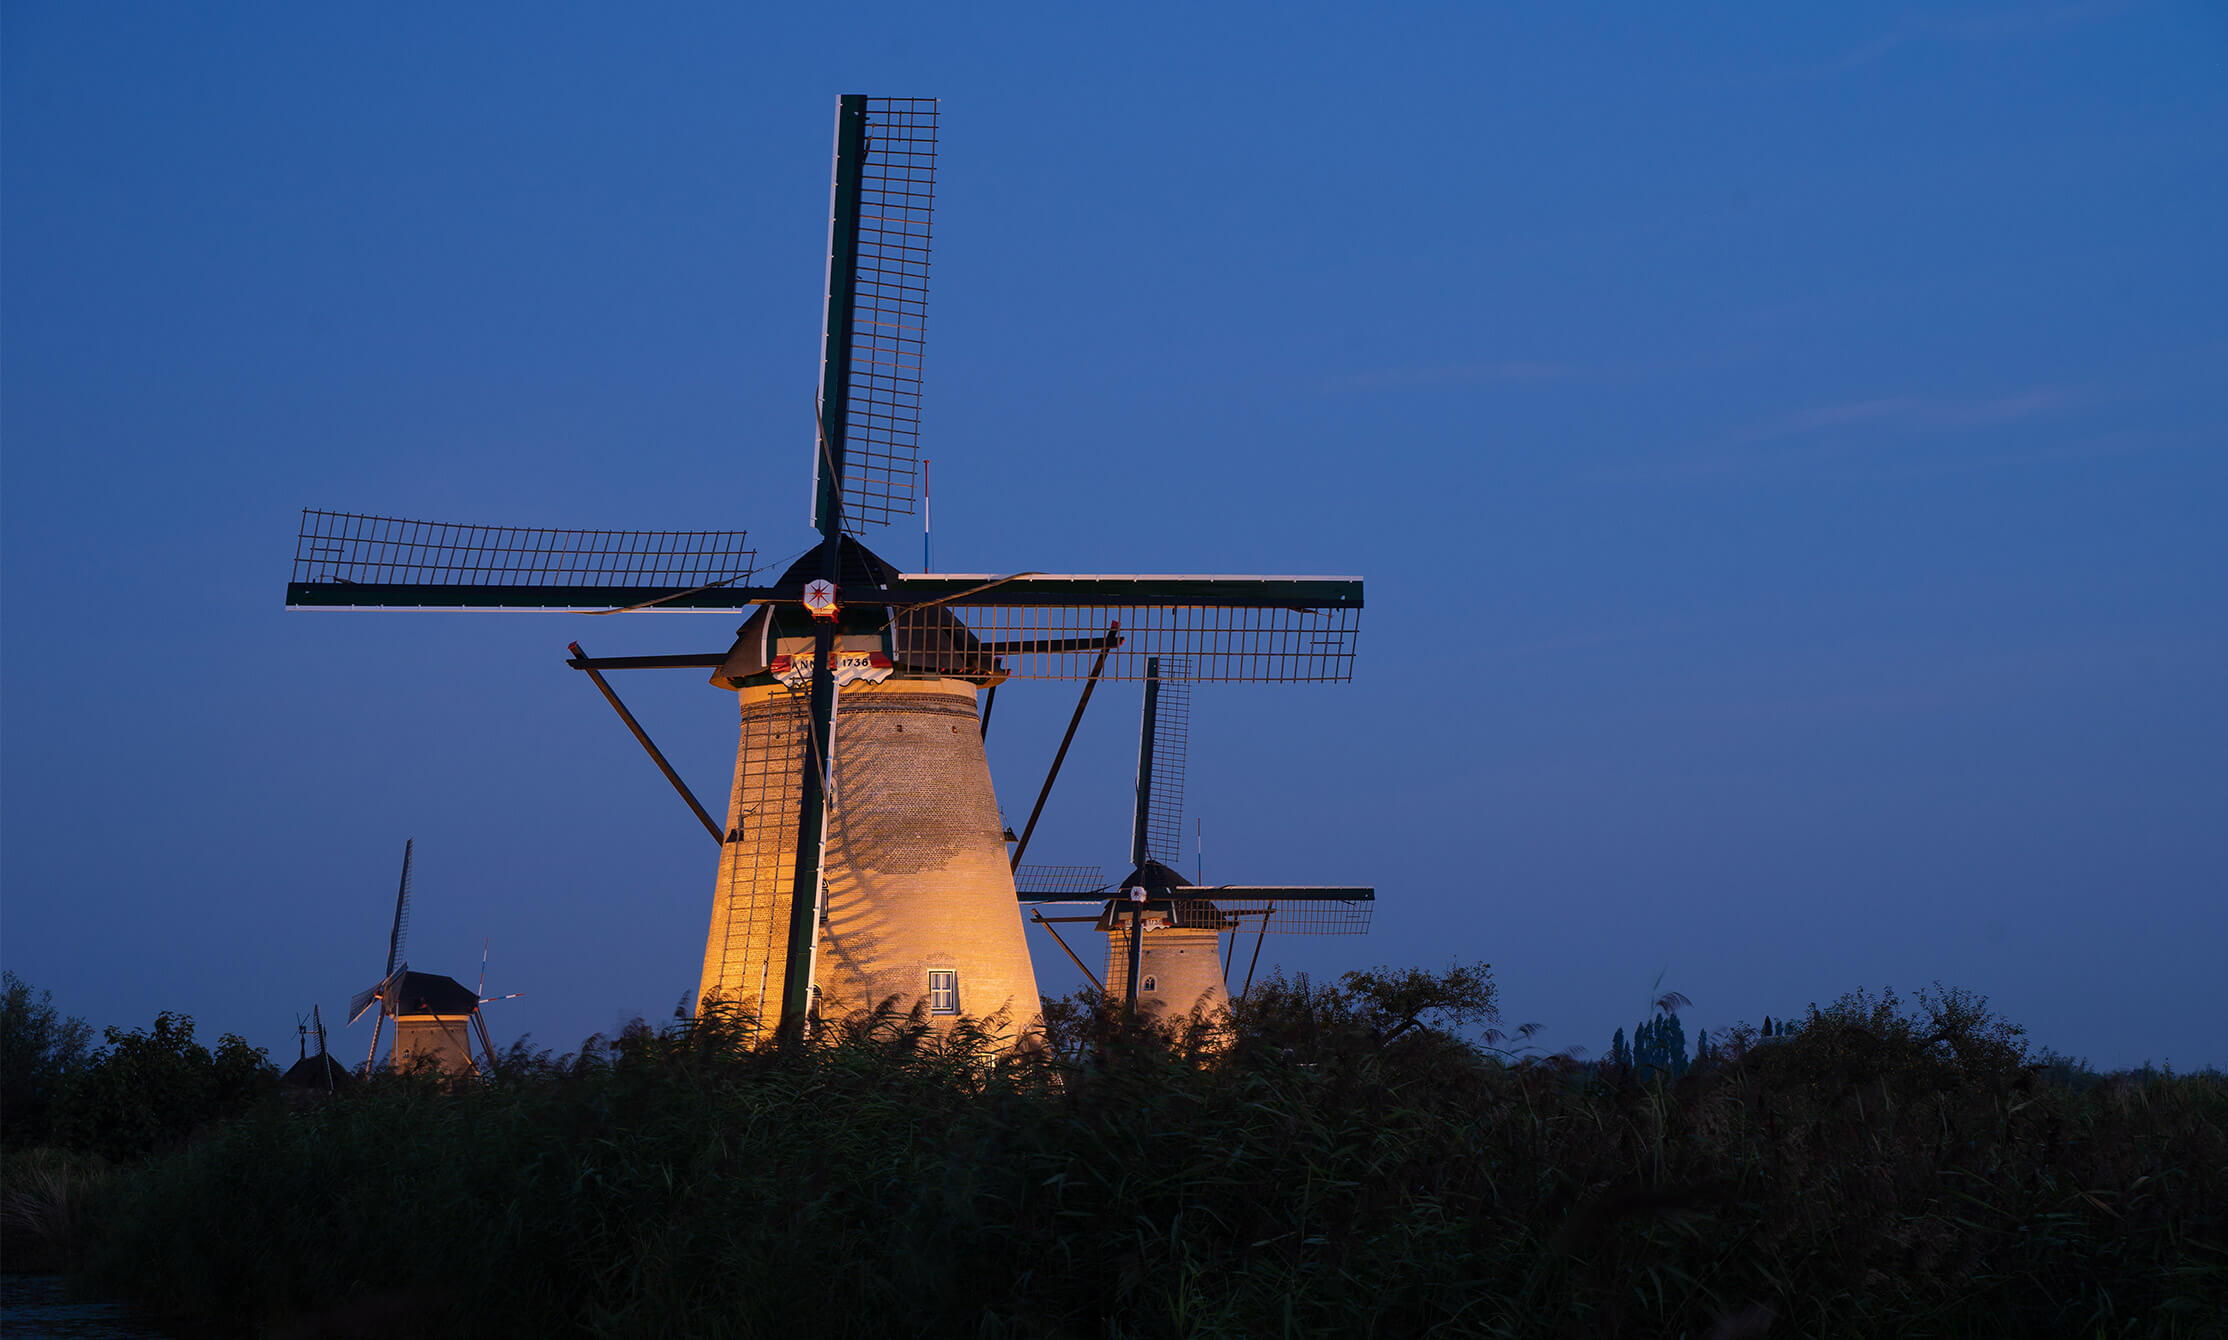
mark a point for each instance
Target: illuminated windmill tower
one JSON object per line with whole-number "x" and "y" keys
{"x": 861, "y": 854}
{"x": 432, "y": 1014}
{"x": 1165, "y": 936}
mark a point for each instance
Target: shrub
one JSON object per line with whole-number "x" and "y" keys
{"x": 39, "y": 1051}
{"x": 148, "y": 1090}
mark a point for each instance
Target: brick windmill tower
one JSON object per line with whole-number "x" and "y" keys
{"x": 861, "y": 858}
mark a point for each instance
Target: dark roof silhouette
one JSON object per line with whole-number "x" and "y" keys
{"x": 430, "y": 993}
{"x": 1155, "y": 877}
{"x": 316, "y": 1072}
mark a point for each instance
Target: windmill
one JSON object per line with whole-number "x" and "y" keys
{"x": 431, "y": 1013}
{"x": 319, "y": 1073}
{"x": 1165, "y": 934}
{"x": 862, "y": 856}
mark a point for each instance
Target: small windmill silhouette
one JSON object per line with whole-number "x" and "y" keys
{"x": 431, "y": 1013}
{"x": 1165, "y": 935}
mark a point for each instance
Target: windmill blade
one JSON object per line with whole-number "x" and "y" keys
{"x": 1053, "y": 883}
{"x": 348, "y": 560}
{"x": 384, "y": 991}
{"x": 317, "y": 1015}
{"x": 401, "y": 931}
{"x": 1161, "y": 807}
{"x": 362, "y": 1001}
{"x": 1050, "y": 626}
{"x": 1251, "y": 908}
{"x": 881, "y": 201}
{"x": 1267, "y": 910}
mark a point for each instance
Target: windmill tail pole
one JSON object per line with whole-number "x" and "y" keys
{"x": 1044, "y": 792}
{"x": 1257, "y": 939}
{"x": 460, "y": 1034}
{"x": 1136, "y": 952}
{"x": 487, "y": 1044}
{"x": 1088, "y": 975}
{"x": 642, "y": 737}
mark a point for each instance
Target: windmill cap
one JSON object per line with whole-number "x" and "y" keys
{"x": 431, "y": 993}
{"x": 857, "y": 568}
{"x": 1154, "y": 878}
{"x": 931, "y": 640}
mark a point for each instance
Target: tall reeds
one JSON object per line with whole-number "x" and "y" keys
{"x": 1311, "y": 1171}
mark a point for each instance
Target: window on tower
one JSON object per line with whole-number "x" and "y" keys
{"x": 943, "y": 991}
{"x": 1149, "y": 984}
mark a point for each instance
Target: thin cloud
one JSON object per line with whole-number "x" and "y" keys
{"x": 1811, "y": 436}
{"x": 1913, "y": 413}
{"x": 1997, "y": 26}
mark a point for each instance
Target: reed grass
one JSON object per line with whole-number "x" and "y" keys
{"x": 46, "y": 1199}
{"x": 1301, "y": 1174}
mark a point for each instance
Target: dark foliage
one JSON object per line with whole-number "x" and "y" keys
{"x": 147, "y": 1090}
{"x": 1340, "y": 1161}
{"x": 39, "y": 1051}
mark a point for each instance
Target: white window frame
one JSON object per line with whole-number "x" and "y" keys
{"x": 943, "y": 996}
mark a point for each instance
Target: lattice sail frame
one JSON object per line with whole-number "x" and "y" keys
{"x": 1164, "y": 807}
{"x": 759, "y": 860}
{"x": 1059, "y": 881}
{"x": 1274, "y": 916}
{"x": 352, "y": 549}
{"x": 889, "y": 312}
{"x": 1246, "y": 909}
{"x": 1230, "y": 643}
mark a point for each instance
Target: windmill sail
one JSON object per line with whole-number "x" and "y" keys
{"x": 401, "y": 932}
{"x": 1051, "y": 883}
{"x": 878, "y": 233}
{"x": 1162, "y": 810}
{"x": 1254, "y": 909}
{"x": 362, "y": 1001}
{"x": 382, "y": 990}
{"x": 350, "y": 560}
{"x": 1284, "y": 630}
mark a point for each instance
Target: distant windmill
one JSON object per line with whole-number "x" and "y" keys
{"x": 320, "y": 1073}
{"x": 1165, "y": 934}
{"x": 431, "y": 1013}
{"x": 868, "y": 864}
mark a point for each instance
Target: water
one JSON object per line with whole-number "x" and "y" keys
{"x": 36, "y": 1305}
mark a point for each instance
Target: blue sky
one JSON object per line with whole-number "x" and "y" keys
{"x": 1785, "y": 449}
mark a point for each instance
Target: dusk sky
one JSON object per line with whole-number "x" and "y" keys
{"x": 1785, "y": 449}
